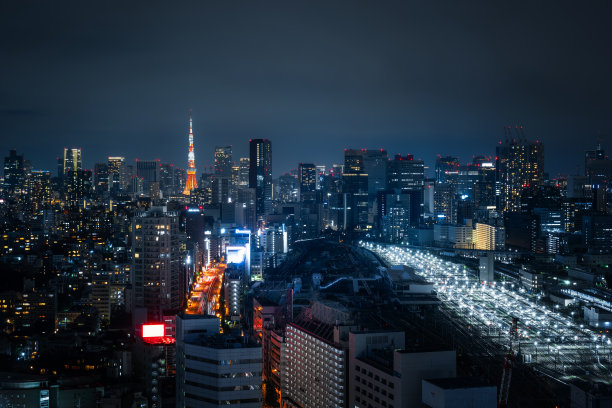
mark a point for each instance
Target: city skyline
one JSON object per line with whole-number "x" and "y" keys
{"x": 365, "y": 74}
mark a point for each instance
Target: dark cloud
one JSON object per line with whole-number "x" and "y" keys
{"x": 314, "y": 77}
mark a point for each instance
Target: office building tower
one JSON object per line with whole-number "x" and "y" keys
{"x": 180, "y": 178}
{"x": 597, "y": 233}
{"x": 287, "y": 188}
{"x": 466, "y": 178}
{"x": 223, "y": 161}
{"x": 72, "y": 160}
{"x": 117, "y": 177}
{"x": 216, "y": 369}
{"x": 445, "y": 203}
{"x": 260, "y": 174}
{"x": 148, "y": 172}
{"x": 320, "y": 176}
{"x": 484, "y": 188}
{"x": 354, "y": 198}
{"x": 243, "y": 172}
{"x": 598, "y": 170}
{"x": 156, "y": 263}
{"x": 71, "y": 166}
{"x": 14, "y": 175}
{"x": 447, "y": 168}
{"x": 375, "y": 164}
{"x": 307, "y": 181}
{"x": 519, "y": 164}
{"x": 100, "y": 177}
{"x": 40, "y": 189}
{"x": 220, "y": 189}
{"x": 78, "y": 185}
{"x": 191, "y": 182}
{"x": 166, "y": 179}
{"x": 407, "y": 175}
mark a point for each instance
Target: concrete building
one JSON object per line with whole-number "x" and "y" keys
{"x": 458, "y": 393}
{"x": 216, "y": 369}
{"x": 156, "y": 264}
{"x": 367, "y": 388}
{"x": 597, "y": 317}
{"x": 487, "y": 268}
{"x": 484, "y": 237}
{"x": 315, "y": 374}
{"x": 388, "y": 377}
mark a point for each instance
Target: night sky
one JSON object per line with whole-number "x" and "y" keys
{"x": 422, "y": 77}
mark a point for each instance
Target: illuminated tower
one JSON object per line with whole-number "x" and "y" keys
{"x": 191, "y": 170}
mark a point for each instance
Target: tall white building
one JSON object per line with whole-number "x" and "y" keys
{"x": 315, "y": 373}
{"x": 215, "y": 369}
{"x": 156, "y": 264}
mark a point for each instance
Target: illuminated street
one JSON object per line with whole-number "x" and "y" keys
{"x": 205, "y": 291}
{"x": 558, "y": 345}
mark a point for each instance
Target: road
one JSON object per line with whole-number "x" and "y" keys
{"x": 204, "y": 293}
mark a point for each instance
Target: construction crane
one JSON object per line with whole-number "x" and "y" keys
{"x": 504, "y": 388}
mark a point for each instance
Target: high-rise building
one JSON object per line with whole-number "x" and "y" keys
{"x": 598, "y": 170}
{"x": 71, "y": 166}
{"x": 166, "y": 179}
{"x": 72, "y": 160}
{"x": 260, "y": 174}
{"x": 117, "y": 177}
{"x": 307, "y": 181}
{"x": 100, "y": 177}
{"x": 148, "y": 172}
{"x": 41, "y": 192}
{"x": 407, "y": 175}
{"x": 191, "y": 182}
{"x": 375, "y": 164}
{"x": 14, "y": 174}
{"x": 316, "y": 370}
{"x": 484, "y": 188}
{"x": 78, "y": 185}
{"x": 223, "y": 160}
{"x": 354, "y": 190}
{"x": 519, "y": 164}
{"x": 156, "y": 263}
{"x": 445, "y": 203}
{"x": 243, "y": 172}
{"x": 447, "y": 168}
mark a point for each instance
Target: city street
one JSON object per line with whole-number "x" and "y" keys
{"x": 205, "y": 291}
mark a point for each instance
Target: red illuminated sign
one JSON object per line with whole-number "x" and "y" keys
{"x": 152, "y": 330}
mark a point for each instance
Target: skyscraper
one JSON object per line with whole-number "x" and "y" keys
{"x": 519, "y": 164}
{"x": 354, "y": 190}
{"x": 117, "y": 179}
{"x": 307, "y": 181}
{"x": 375, "y": 164}
{"x": 446, "y": 168}
{"x": 191, "y": 169}
{"x": 148, "y": 172}
{"x": 156, "y": 263}
{"x": 72, "y": 160}
{"x": 14, "y": 174}
{"x": 223, "y": 160}
{"x": 101, "y": 177}
{"x": 260, "y": 174}
{"x": 243, "y": 172}
{"x": 71, "y": 166}
{"x": 407, "y": 175}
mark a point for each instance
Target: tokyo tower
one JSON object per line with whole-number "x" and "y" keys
{"x": 191, "y": 170}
